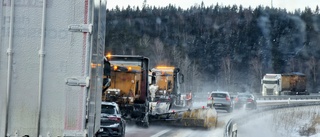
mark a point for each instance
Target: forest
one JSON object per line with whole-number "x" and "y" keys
{"x": 220, "y": 47}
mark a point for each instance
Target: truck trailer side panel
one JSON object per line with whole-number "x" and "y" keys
{"x": 295, "y": 83}
{"x": 37, "y": 55}
{"x": 285, "y": 79}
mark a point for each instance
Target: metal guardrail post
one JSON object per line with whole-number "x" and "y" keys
{"x": 230, "y": 129}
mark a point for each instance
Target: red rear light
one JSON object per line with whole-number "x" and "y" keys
{"x": 209, "y": 98}
{"x": 115, "y": 119}
{"x": 228, "y": 98}
{"x": 249, "y": 100}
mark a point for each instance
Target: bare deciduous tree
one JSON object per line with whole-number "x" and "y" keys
{"x": 313, "y": 69}
{"x": 227, "y": 67}
{"x": 159, "y": 52}
{"x": 256, "y": 67}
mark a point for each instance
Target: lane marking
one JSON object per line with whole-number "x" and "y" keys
{"x": 184, "y": 134}
{"x": 161, "y": 133}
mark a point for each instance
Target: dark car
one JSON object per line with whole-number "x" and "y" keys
{"x": 220, "y": 100}
{"x": 112, "y": 124}
{"x": 247, "y": 100}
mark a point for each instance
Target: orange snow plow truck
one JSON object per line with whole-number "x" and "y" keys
{"x": 129, "y": 87}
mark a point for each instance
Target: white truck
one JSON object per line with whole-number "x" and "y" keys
{"x": 288, "y": 83}
{"x": 271, "y": 84}
{"x": 51, "y": 65}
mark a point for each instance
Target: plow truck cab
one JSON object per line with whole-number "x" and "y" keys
{"x": 166, "y": 86}
{"x": 128, "y": 87}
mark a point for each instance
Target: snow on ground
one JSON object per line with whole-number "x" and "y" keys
{"x": 289, "y": 122}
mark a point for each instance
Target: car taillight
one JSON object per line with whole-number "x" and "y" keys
{"x": 249, "y": 100}
{"x": 114, "y": 118}
{"x": 209, "y": 98}
{"x": 227, "y": 98}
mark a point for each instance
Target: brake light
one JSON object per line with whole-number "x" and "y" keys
{"x": 115, "y": 119}
{"x": 228, "y": 98}
{"x": 249, "y": 100}
{"x": 209, "y": 98}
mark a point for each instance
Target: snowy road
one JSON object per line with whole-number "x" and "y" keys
{"x": 171, "y": 131}
{"x": 250, "y": 118}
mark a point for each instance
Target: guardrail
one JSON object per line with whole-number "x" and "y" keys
{"x": 204, "y": 96}
{"x": 231, "y": 129}
{"x": 286, "y": 97}
{"x": 273, "y": 107}
{"x": 239, "y": 119}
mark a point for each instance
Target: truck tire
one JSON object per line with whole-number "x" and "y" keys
{"x": 145, "y": 124}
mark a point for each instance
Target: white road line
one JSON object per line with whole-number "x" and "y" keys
{"x": 184, "y": 134}
{"x": 161, "y": 133}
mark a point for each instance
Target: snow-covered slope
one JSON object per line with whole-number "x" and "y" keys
{"x": 288, "y": 122}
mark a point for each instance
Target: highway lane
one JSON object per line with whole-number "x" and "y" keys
{"x": 223, "y": 117}
{"x": 156, "y": 130}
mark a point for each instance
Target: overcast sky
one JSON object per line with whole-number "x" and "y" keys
{"x": 290, "y": 5}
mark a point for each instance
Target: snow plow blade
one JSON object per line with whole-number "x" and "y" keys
{"x": 202, "y": 117}
{"x": 206, "y": 118}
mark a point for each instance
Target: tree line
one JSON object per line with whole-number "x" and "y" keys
{"x": 220, "y": 47}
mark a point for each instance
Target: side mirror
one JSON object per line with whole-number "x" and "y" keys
{"x": 181, "y": 78}
{"x": 153, "y": 78}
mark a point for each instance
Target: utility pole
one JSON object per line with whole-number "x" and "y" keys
{"x": 271, "y": 3}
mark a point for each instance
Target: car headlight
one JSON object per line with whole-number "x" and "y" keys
{"x": 101, "y": 129}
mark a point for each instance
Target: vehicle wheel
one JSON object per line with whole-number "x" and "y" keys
{"x": 98, "y": 135}
{"x": 123, "y": 134}
{"x": 145, "y": 124}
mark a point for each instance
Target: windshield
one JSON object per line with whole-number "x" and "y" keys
{"x": 269, "y": 82}
{"x": 108, "y": 109}
{"x": 244, "y": 96}
{"x": 219, "y": 95}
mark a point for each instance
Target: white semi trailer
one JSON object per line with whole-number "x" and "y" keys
{"x": 51, "y": 56}
{"x": 288, "y": 83}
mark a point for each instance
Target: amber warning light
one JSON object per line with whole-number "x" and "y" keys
{"x": 115, "y": 67}
{"x": 108, "y": 55}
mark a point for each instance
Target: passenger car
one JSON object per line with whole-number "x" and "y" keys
{"x": 245, "y": 99}
{"x": 220, "y": 100}
{"x": 112, "y": 124}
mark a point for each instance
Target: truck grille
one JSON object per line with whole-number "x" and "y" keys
{"x": 269, "y": 91}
